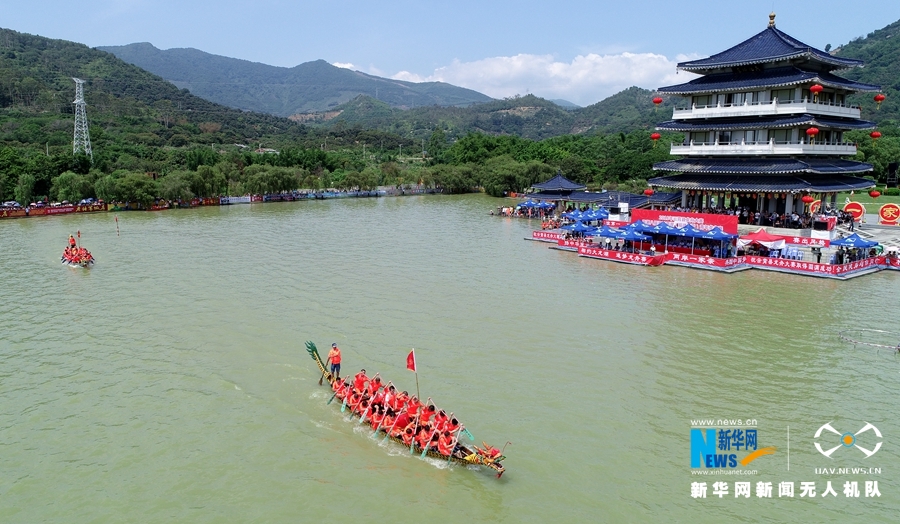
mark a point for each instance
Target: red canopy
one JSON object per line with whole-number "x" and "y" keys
{"x": 763, "y": 238}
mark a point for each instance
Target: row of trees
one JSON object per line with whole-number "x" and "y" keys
{"x": 496, "y": 164}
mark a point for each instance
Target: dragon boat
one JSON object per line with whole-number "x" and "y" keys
{"x": 462, "y": 454}
{"x": 76, "y": 262}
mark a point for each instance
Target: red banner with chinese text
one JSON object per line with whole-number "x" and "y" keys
{"x": 702, "y": 221}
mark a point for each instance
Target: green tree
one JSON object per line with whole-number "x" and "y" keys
{"x": 24, "y": 189}
{"x": 138, "y": 188}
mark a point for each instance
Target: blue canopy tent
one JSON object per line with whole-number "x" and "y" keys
{"x": 662, "y": 229}
{"x": 529, "y": 204}
{"x": 716, "y": 233}
{"x": 634, "y": 236}
{"x": 854, "y": 240}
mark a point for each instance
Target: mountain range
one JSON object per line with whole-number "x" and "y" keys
{"x": 283, "y": 91}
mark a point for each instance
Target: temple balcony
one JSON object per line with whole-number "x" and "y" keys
{"x": 769, "y": 147}
{"x": 787, "y": 107}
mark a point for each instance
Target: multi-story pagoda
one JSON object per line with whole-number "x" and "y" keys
{"x": 765, "y": 126}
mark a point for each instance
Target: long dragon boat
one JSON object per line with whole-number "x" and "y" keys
{"x": 462, "y": 454}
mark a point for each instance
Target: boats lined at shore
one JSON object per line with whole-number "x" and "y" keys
{"x": 488, "y": 457}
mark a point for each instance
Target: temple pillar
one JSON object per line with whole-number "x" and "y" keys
{"x": 684, "y": 196}
{"x": 789, "y": 203}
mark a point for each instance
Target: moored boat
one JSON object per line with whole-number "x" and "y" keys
{"x": 488, "y": 457}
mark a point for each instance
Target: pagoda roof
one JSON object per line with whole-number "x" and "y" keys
{"x": 770, "y": 122}
{"x": 558, "y": 183}
{"x": 766, "y": 78}
{"x": 611, "y": 198}
{"x": 763, "y": 166}
{"x": 771, "y": 183}
{"x": 769, "y": 46}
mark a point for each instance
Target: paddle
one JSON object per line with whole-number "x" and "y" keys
{"x": 380, "y": 422}
{"x": 344, "y": 404}
{"x": 388, "y": 435}
{"x": 332, "y": 396}
{"x": 455, "y": 442}
{"x": 428, "y": 443}
{"x": 413, "y": 441}
{"x": 466, "y": 431}
{"x": 363, "y": 417}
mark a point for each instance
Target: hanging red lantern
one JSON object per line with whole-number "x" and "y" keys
{"x": 648, "y": 191}
{"x": 875, "y": 136}
{"x": 874, "y": 193}
{"x": 815, "y": 90}
{"x": 879, "y": 98}
{"x": 811, "y": 133}
{"x": 692, "y": 193}
{"x": 807, "y": 199}
{"x": 754, "y": 196}
{"x": 655, "y": 136}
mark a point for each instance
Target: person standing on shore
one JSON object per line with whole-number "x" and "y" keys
{"x": 334, "y": 356}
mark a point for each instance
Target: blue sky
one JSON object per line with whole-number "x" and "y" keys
{"x": 582, "y": 51}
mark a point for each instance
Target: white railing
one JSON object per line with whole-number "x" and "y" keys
{"x": 770, "y": 147}
{"x": 775, "y": 107}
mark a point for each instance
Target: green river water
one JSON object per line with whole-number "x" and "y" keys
{"x": 170, "y": 383}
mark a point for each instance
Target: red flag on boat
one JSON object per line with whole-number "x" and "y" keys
{"x": 411, "y": 360}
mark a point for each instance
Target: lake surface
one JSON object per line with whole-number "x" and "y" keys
{"x": 170, "y": 382}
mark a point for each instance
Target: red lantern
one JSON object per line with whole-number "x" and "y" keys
{"x": 648, "y": 191}
{"x": 655, "y": 136}
{"x": 657, "y": 100}
{"x": 875, "y": 135}
{"x": 692, "y": 193}
{"x": 807, "y": 199}
{"x": 815, "y": 90}
{"x": 874, "y": 193}
{"x": 879, "y": 98}
{"x": 811, "y": 133}
{"x": 754, "y": 196}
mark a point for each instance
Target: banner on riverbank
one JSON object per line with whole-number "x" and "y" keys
{"x": 814, "y": 268}
{"x": 55, "y": 210}
{"x": 702, "y": 221}
{"x": 546, "y": 236}
{"x": 622, "y": 256}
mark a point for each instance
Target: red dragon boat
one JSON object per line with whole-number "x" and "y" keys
{"x": 488, "y": 457}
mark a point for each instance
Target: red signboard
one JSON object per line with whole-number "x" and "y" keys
{"x": 701, "y": 260}
{"x": 55, "y": 210}
{"x": 889, "y": 214}
{"x": 545, "y": 236}
{"x": 622, "y": 256}
{"x": 806, "y": 241}
{"x": 813, "y": 268}
{"x": 856, "y": 209}
{"x": 615, "y": 223}
{"x": 702, "y": 221}
{"x": 575, "y": 243}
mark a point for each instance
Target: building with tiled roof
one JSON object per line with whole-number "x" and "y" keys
{"x": 763, "y": 125}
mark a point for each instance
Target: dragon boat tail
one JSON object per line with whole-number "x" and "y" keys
{"x": 462, "y": 454}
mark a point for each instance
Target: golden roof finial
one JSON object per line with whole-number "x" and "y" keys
{"x": 772, "y": 19}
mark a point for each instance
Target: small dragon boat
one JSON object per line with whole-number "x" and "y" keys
{"x": 488, "y": 457}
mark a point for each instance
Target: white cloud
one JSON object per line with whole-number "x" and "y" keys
{"x": 585, "y": 80}
{"x": 344, "y": 65}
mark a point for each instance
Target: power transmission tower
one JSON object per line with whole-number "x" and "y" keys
{"x": 82, "y": 141}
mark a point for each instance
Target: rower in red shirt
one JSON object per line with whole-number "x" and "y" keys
{"x": 445, "y": 444}
{"x": 401, "y": 423}
{"x": 359, "y": 381}
{"x": 408, "y": 436}
{"x": 426, "y": 414}
{"x": 374, "y": 385}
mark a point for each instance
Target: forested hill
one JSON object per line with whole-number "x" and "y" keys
{"x": 525, "y": 116}
{"x": 282, "y": 91}
{"x": 880, "y": 50}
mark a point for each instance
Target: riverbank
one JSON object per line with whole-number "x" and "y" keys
{"x": 161, "y": 205}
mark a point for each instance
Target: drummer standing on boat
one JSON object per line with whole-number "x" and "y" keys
{"x": 334, "y": 356}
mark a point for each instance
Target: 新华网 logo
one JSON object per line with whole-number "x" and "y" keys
{"x": 848, "y": 440}
{"x": 720, "y": 447}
